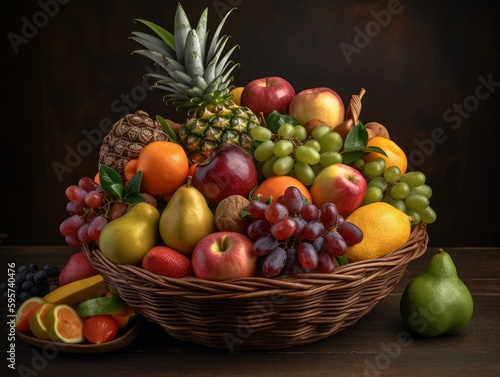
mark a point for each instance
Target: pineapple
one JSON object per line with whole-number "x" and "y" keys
{"x": 197, "y": 79}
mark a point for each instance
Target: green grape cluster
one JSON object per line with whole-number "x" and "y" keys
{"x": 292, "y": 151}
{"x": 408, "y": 192}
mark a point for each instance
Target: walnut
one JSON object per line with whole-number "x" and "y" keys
{"x": 228, "y": 217}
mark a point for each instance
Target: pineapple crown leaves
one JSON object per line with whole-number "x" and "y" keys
{"x": 196, "y": 73}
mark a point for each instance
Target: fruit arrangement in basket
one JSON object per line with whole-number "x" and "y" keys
{"x": 259, "y": 180}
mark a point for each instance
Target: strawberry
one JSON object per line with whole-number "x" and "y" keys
{"x": 78, "y": 267}
{"x": 163, "y": 260}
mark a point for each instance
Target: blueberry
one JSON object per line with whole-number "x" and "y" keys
{"x": 4, "y": 286}
{"x": 27, "y": 285}
{"x": 39, "y": 277}
{"x": 35, "y": 291}
{"x": 33, "y": 267}
{"x": 30, "y": 276}
{"x": 23, "y": 296}
{"x": 22, "y": 268}
{"x": 20, "y": 277}
{"x": 51, "y": 271}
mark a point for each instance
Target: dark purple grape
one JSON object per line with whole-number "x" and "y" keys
{"x": 292, "y": 265}
{"x": 276, "y": 211}
{"x": 309, "y": 212}
{"x": 335, "y": 244}
{"x": 317, "y": 243}
{"x": 258, "y": 228}
{"x": 308, "y": 257}
{"x": 70, "y": 226}
{"x": 283, "y": 228}
{"x": 313, "y": 230}
{"x": 350, "y": 232}
{"x": 264, "y": 245}
{"x": 292, "y": 198}
{"x": 326, "y": 262}
{"x": 75, "y": 208}
{"x": 257, "y": 209}
{"x": 329, "y": 215}
{"x": 274, "y": 262}
{"x": 301, "y": 223}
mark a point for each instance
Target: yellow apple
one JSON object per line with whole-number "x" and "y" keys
{"x": 321, "y": 103}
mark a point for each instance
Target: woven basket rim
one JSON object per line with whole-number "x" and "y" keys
{"x": 303, "y": 308}
{"x": 352, "y": 272}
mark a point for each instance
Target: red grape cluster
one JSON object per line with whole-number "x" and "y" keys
{"x": 90, "y": 209}
{"x": 293, "y": 236}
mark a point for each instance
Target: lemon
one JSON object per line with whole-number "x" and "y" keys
{"x": 38, "y": 322}
{"x": 385, "y": 229}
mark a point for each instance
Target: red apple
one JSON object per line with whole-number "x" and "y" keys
{"x": 320, "y": 104}
{"x": 227, "y": 170}
{"x": 223, "y": 256}
{"x": 341, "y": 185}
{"x": 268, "y": 94}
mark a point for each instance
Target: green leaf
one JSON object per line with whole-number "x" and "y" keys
{"x": 355, "y": 144}
{"x": 134, "y": 185}
{"x": 134, "y": 198}
{"x": 357, "y": 137}
{"x": 117, "y": 190}
{"x": 166, "y": 36}
{"x": 111, "y": 181}
{"x": 342, "y": 261}
{"x": 275, "y": 120}
{"x": 170, "y": 132}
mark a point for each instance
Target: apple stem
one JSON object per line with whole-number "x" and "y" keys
{"x": 263, "y": 119}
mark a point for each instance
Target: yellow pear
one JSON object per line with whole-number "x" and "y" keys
{"x": 128, "y": 238}
{"x": 186, "y": 219}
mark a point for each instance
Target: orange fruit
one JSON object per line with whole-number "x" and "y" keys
{"x": 164, "y": 167}
{"x": 395, "y": 155}
{"x": 39, "y": 323}
{"x": 130, "y": 169}
{"x": 276, "y": 185}
{"x": 165, "y": 261}
{"x": 237, "y": 94}
{"x": 65, "y": 325}
{"x": 25, "y": 311}
{"x": 385, "y": 229}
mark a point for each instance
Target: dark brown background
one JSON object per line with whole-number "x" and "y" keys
{"x": 76, "y": 73}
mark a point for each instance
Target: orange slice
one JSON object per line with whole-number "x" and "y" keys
{"x": 66, "y": 326}
{"x": 25, "y": 311}
{"x": 39, "y": 324}
{"x": 125, "y": 317}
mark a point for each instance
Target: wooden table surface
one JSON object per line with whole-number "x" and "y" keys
{"x": 370, "y": 347}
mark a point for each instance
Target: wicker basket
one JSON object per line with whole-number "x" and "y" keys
{"x": 260, "y": 313}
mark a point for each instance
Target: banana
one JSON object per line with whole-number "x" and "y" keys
{"x": 78, "y": 291}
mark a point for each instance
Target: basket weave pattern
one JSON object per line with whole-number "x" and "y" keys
{"x": 260, "y": 313}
